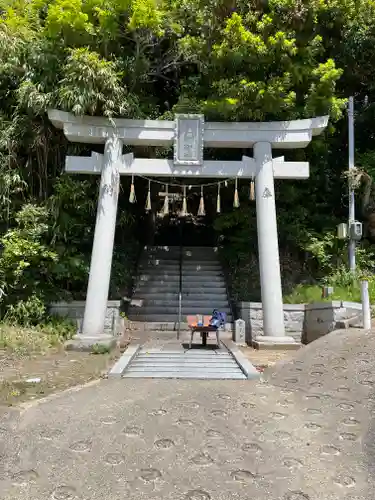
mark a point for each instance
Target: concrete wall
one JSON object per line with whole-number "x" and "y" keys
{"x": 252, "y": 314}
{"x": 303, "y": 322}
{"x": 324, "y": 317}
{"x": 114, "y": 323}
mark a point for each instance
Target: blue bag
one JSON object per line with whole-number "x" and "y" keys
{"x": 218, "y": 319}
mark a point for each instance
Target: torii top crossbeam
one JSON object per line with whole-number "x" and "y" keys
{"x": 95, "y": 130}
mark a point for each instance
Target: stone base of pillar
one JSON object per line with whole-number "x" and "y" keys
{"x": 279, "y": 343}
{"x": 89, "y": 344}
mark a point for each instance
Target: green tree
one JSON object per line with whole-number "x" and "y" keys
{"x": 230, "y": 59}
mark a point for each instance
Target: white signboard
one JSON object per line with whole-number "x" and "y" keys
{"x": 188, "y": 143}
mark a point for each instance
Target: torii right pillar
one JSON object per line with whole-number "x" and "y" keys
{"x": 268, "y": 249}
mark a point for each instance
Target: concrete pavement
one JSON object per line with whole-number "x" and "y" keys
{"x": 304, "y": 433}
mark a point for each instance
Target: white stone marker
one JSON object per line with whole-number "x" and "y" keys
{"x": 366, "y": 308}
{"x": 239, "y": 331}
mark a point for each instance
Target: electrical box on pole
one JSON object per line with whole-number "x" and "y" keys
{"x": 356, "y": 230}
{"x": 342, "y": 231}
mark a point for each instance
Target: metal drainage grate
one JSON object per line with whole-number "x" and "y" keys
{"x": 193, "y": 364}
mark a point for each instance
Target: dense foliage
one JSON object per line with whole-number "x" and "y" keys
{"x": 230, "y": 59}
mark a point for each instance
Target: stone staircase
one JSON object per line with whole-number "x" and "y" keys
{"x": 178, "y": 363}
{"x": 155, "y": 298}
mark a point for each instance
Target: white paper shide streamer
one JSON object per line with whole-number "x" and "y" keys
{"x": 201, "y": 210}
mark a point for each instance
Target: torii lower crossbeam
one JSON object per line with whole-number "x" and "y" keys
{"x": 245, "y": 169}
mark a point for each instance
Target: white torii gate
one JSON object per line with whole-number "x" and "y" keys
{"x": 189, "y": 133}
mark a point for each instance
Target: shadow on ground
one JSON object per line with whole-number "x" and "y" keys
{"x": 56, "y": 369}
{"x": 302, "y": 433}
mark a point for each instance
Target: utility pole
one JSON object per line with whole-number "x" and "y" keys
{"x": 351, "y": 189}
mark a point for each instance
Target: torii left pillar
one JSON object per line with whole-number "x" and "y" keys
{"x": 102, "y": 249}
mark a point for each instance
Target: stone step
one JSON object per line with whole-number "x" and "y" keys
{"x": 186, "y": 297}
{"x": 197, "y": 258}
{"x": 157, "y": 258}
{"x": 194, "y": 308}
{"x": 142, "y": 268}
{"x": 173, "y": 287}
{"x": 160, "y": 277}
{"x": 154, "y": 318}
{"x": 184, "y": 367}
{"x": 207, "y": 278}
{"x": 187, "y": 293}
{"x": 167, "y": 296}
{"x": 164, "y": 301}
{"x": 186, "y": 266}
{"x": 190, "y": 281}
{"x": 143, "y": 292}
{"x": 161, "y": 299}
{"x": 178, "y": 363}
{"x": 204, "y": 266}
{"x": 168, "y": 327}
{"x": 230, "y": 375}
{"x": 146, "y": 261}
{"x": 203, "y": 288}
{"x": 170, "y": 314}
{"x": 161, "y": 282}
{"x": 162, "y": 319}
{"x": 168, "y": 356}
{"x": 165, "y": 319}
{"x": 175, "y": 273}
{"x": 176, "y": 248}
{"x": 155, "y": 287}
{"x": 203, "y": 259}
{"x": 203, "y": 249}
{"x": 162, "y": 256}
{"x": 176, "y": 259}
{"x": 154, "y": 259}
{"x": 200, "y": 250}
{"x": 209, "y": 303}
{"x": 155, "y": 293}
{"x": 188, "y": 288}
{"x": 186, "y": 252}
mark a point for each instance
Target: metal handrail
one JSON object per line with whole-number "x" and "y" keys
{"x": 180, "y": 289}
{"x": 226, "y": 279}
{"x": 179, "y": 314}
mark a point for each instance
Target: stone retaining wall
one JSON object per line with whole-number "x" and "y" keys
{"x": 324, "y": 317}
{"x": 114, "y": 323}
{"x": 303, "y": 322}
